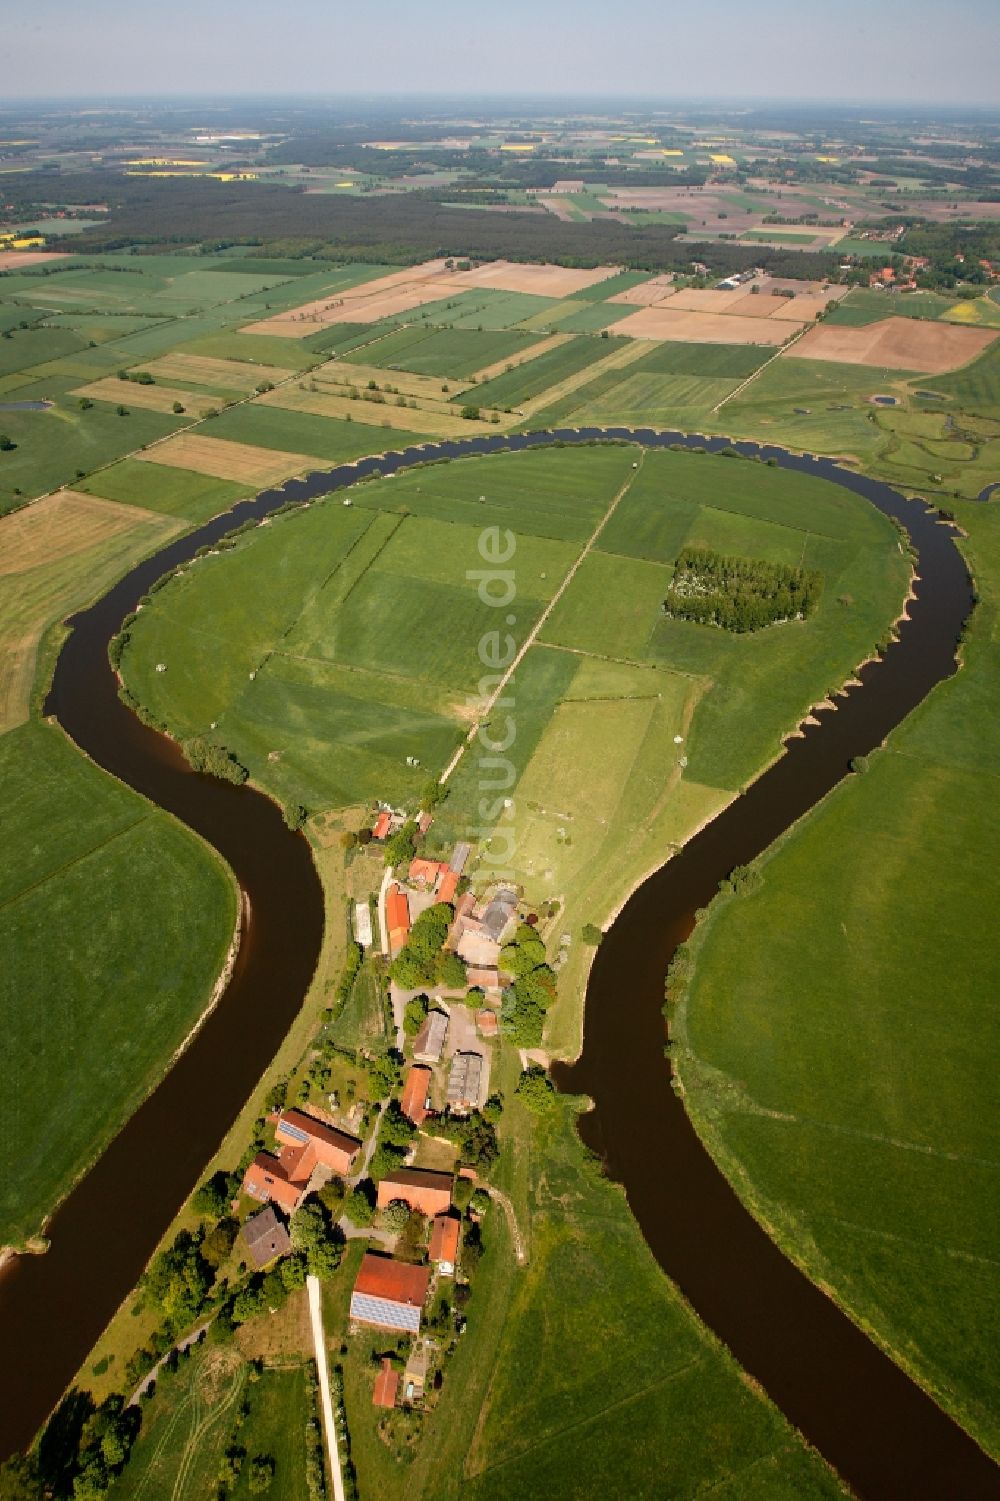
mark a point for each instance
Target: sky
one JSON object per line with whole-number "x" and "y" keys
{"x": 883, "y": 51}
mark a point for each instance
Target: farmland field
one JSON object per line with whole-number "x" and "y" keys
{"x": 536, "y": 376}
{"x": 452, "y": 353}
{"x": 857, "y": 1111}
{"x": 55, "y": 556}
{"x": 90, "y": 860}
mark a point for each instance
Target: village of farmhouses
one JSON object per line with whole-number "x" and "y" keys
{"x": 403, "y": 1164}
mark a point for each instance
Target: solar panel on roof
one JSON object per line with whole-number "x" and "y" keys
{"x": 295, "y": 1132}
{"x": 384, "y": 1311}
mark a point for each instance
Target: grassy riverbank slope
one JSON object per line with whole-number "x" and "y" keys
{"x": 841, "y": 1032}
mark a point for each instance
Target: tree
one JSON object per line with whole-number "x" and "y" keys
{"x": 401, "y": 846}
{"x": 177, "y": 408}
{"x": 396, "y": 1215}
{"x": 295, "y": 815}
{"x": 219, "y": 1242}
{"x": 179, "y": 1280}
{"x": 384, "y": 1073}
{"x": 415, "y": 1014}
{"x": 470, "y": 413}
{"x": 591, "y": 933}
{"x": 85, "y": 403}
{"x": 409, "y": 971}
{"x": 7, "y": 445}
{"x": 122, "y": 411}
{"x": 535, "y": 1089}
{"x": 293, "y": 1270}
{"x": 360, "y": 1206}
{"x": 450, "y": 971}
{"x": 216, "y": 1194}
{"x": 480, "y": 1203}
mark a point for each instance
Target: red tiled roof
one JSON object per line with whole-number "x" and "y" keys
{"x": 397, "y": 910}
{"x": 425, "y": 870}
{"x": 423, "y": 1190}
{"x": 382, "y": 825}
{"x": 412, "y": 1100}
{"x": 335, "y": 1149}
{"x": 398, "y": 1281}
{"x": 265, "y": 1179}
{"x": 488, "y": 1023}
{"x": 386, "y": 1386}
{"x": 444, "y": 1239}
{"x": 448, "y": 887}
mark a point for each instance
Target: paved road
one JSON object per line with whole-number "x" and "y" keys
{"x": 323, "y": 1371}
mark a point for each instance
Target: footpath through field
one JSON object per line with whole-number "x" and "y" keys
{"x": 323, "y": 1371}
{"x": 533, "y": 634}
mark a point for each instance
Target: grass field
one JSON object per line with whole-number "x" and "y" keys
{"x": 863, "y": 306}
{"x": 452, "y": 353}
{"x": 193, "y": 1418}
{"x": 89, "y": 860}
{"x": 329, "y": 438}
{"x": 60, "y": 445}
{"x": 531, "y": 379}
{"x": 976, "y": 387}
{"x": 173, "y": 492}
{"x": 854, "y": 1100}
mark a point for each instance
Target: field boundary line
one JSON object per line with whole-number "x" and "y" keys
{"x": 761, "y": 368}
{"x": 592, "y": 1417}
{"x": 618, "y": 359}
{"x": 532, "y": 635}
{"x": 68, "y": 864}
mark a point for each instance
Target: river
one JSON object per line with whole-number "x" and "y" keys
{"x": 867, "y": 1418}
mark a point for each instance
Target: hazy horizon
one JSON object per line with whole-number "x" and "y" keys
{"x": 776, "y": 51}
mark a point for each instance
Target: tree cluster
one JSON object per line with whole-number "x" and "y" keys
{"x": 526, "y": 1001}
{"x": 739, "y": 594}
{"x": 422, "y": 961}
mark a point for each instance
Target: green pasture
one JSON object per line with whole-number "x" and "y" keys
{"x": 92, "y": 1020}
{"x": 854, "y": 1101}
{"x": 537, "y": 375}
{"x": 173, "y": 492}
{"x": 330, "y": 438}
{"x": 813, "y": 405}
{"x": 976, "y": 387}
{"x": 452, "y": 353}
{"x": 58, "y": 446}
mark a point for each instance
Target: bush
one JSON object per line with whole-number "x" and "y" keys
{"x": 535, "y": 1089}
{"x": 214, "y": 760}
{"x": 591, "y": 933}
{"x": 360, "y": 1207}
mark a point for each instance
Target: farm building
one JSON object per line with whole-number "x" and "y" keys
{"x": 423, "y": 1190}
{"x": 267, "y": 1180}
{"x": 485, "y": 979}
{"x": 498, "y": 912}
{"x": 363, "y": 924}
{"x": 447, "y": 886}
{"x": 459, "y": 856}
{"x": 389, "y": 1294}
{"x": 380, "y": 829}
{"x": 386, "y": 1386}
{"x": 316, "y": 1143}
{"x": 428, "y": 1045}
{"x": 305, "y": 1144}
{"x": 426, "y": 872}
{"x": 465, "y": 1081}
{"x": 445, "y": 1232}
{"x": 416, "y": 1088}
{"x": 266, "y": 1237}
{"x": 397, "y": 917}
{"x": 488, "y": 1023}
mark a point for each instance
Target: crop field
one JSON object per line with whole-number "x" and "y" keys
{"x": 331, "y": 439}
{"x": 538, "y": 375}
{"x": 54, "y": 557}
{"x": 74, "y": 1063}
{"x": 172, "y": 492}
{"x": 452, "y": 353}
{"x": 193, "y": 1418}
{"x": 351, "y": 402}
{"x": 244, "y": 462}
{"x": 887, "y": 1195}
{"x": 153, "y": 398}
{"x": 202, "y": 370}
{"x": 895, "y": 344}
{"x": 668, "y": 322}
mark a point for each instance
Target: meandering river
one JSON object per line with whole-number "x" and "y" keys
{"x": 875, "y": 1426}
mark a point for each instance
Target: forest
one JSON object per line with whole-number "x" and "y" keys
{"x": 739, "y": 594}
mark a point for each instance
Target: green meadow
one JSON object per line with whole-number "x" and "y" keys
{"x": 90, "y": 1020}
{"x": 840, "y": 1033}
